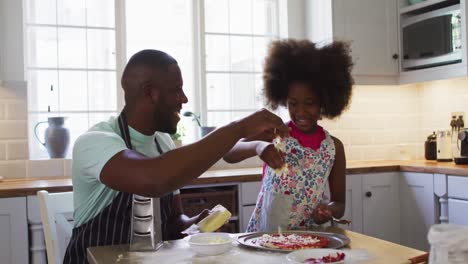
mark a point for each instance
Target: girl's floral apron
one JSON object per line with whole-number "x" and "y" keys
{"x": 288, "y": 200}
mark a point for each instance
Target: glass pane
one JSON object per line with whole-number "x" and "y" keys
{"x": 218, "y": 119}
{"x": 95, "y": 118}
{"x": 102, "y": 91}
{"x": 218, "y": 92}
{"x": 78, "y": 124}
{"x": 41, "y": 12}
{"x": 217, "y": 57}
{"x": 241, "y": 54}
{"x": 259, "y": 97}
{"x": 36, "y": 149}
{"x": 71, "y": 12}
{"x": 239, "y": 115}
{"x": 243, "y": 91}
{"x": 73, "y": 92}
{"x": 40, "y": 93}
{"x": 240, "y": 15}
{"x": 175, "y": 39}
{"x": 264, "y": 20}
{"x": 100, "y": 13}
{"x": 216, "y": 16}
{"x": 42, "y": 47}
{"x": 260, "y": 51}
{"x": 72, "y": 48}
{"x": 101, "y": 49}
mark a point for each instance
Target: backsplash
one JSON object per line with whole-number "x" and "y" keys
{"x": 382, "y": 122}
{"x": 14, "y": 154}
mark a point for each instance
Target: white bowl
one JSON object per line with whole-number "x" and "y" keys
{"x": 300, "y": 256}
{"x": 210, "y": 243}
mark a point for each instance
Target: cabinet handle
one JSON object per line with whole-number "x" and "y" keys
{"x": 395, "y": 56}
{"x": 368, "y": 194}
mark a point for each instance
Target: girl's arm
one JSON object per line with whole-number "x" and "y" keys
{"x": 265, "y": 150}
{"x": 337, "y": 181}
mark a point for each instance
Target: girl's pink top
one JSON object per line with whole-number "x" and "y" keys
{"x": 312, "y": 141}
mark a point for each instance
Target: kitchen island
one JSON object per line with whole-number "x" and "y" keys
{"x": 178, "y": 251}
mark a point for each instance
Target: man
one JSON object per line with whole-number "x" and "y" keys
{"x": 132, "y": 154}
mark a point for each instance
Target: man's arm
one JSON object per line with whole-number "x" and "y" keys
{"x": 132, "y": 172}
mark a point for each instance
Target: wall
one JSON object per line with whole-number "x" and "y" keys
{"x": 14, "y": 155}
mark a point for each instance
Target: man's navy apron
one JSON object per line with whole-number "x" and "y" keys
{"x": 112, "y": 226}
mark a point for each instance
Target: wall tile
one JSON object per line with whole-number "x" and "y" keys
{"x": 16, "y": 110}
{"x": 45, "y": 168}
{"x": 13, "y": 169}
{"x": 13, "y": 130}
{"x": 2, "y": 151}
{"x": 17, "y": 150}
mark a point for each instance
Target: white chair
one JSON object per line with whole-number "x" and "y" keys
{"x": 57, "y": 221}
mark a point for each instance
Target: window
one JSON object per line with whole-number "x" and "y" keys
{"x": 229, "y": 38}
{"x": 70, "y": 64}
{"x": 235, "y": 36}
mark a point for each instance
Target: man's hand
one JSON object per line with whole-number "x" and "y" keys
{"x": 261, "y": 121}
{"x": 202, "y": 215}
{"x": 270, "y": 155}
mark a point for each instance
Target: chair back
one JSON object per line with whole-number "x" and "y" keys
{"x": 57, "y": 222}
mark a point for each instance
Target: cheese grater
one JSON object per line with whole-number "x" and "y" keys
{"x": 146, "y": 233}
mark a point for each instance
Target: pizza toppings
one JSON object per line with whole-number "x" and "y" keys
{"x": 292, "y": 241}
{"x": 331, "y": 258}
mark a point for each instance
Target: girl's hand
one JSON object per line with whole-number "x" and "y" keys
{"x": 322, "y": 214}
{"x": 270, "y": 155}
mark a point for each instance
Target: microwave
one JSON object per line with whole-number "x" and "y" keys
{"x": 432, "y": 39}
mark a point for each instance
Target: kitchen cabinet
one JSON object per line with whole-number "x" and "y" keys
{"x": 417, "y": 208}
{"x": 381, "y": 210}
{"x": 247, "y": 200}
{"x": 457, "y": 200}
{"x": 372, "y": 205}
{"x": 371, "y": 28}
{"x": 353, "y": 207}
{"x": 13, "y": 231}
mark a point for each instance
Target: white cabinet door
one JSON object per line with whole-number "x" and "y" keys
{"x": 371, "y": 26}
{"x": 458, "y": 211}
{"x": 417, "y": 208}
{"x": 248, "y": 197}
{"x": 353, "y": 210}
{"x": 13, "y": 231}
{"x": 381, "y": 212}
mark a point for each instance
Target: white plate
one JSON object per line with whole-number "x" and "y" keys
{"x": 300, "y": 256}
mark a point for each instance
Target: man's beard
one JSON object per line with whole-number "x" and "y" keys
{"x": 165, "y": 123}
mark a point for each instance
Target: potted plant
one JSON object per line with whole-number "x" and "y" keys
{"x": 204, "y": 130}
{"x": 178, "y": 135}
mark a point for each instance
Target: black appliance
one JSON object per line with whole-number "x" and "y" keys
{"x": 463, "y": 137}
{"x": 430, "y": 147}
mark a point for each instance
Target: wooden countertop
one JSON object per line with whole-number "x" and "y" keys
{"x": 178, "y": 251}
{"x": 29, "y": 186}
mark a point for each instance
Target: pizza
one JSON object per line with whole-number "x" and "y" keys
{"x": 292, "y": 241}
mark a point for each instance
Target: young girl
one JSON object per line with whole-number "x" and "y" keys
{"x": 312, "y": 82}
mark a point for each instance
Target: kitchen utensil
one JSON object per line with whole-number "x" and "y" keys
{"x": 430, "y": 147}
{"x": 336, "y": 240}
{"x": 300, "y": 256}
{"x": 444, "y": 145}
